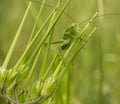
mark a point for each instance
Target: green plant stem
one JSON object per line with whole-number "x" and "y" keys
{"x": 46, "y": 35}
{"x": 55, "y": 74}
{"x": 76, "y": 53}
{"x": 77, "y": 50}
{"x": 88, "y": 24}
{"x": 43, "y": 40}
{"x": 34, "y": 58}
{"x": 37, "y": 50}
{"x": 43, "y": 68}
{"x": 37, "y": 21}
{"x": 32, "y": 68}
{"x": 101, "y": 52}
{"x": 10, "y": 52}
{"x": 20, "y": 61}
{"x": 54, "y": 23}
{"x": 68, "y": 86}
{"x": 50, "y": 66}
{"x": 60, "y": 94}
{"x": 35, "y": 54}
{"x": 83, "y": 32}
{"x": 50, "y": 6}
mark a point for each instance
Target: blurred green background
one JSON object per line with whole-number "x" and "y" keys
{"x": 96, "y": 75}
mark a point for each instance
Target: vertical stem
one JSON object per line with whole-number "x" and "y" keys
{"x": 43, "y": 68}
{"x": 33, "y": 41}
{"x": 37, "y": 20}
{"x": 68, "y": 85}
{"x": 10, "y": 52}
{"x": 101, "y": 52}
{"x": 83, "y": 32}
{"x": 46, "y": 35}
{"x": 33, "y": 67}
{"x": 50, "y": 66}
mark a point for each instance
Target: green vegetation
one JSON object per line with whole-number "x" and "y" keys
{"x": 49, "y": 62}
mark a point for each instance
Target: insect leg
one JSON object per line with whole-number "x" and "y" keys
{"x": 52, "y": 43}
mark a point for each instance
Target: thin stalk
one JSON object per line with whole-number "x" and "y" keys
{"x": 60, "y": 94}
{"x": 37, "y": 21}
{"x": 83, "y": 32}
{"x": 34, "y": 55}
{"x": 34, "y": 59}
{"x": 34, "y": 39}
{"x": 46, "y": 35}
{"x": 88, "y": 24}
{"x": 44, "y": 65}
{"x": 31, "y": 60}
{"x": 32, "y": 68}
{"x": 64, "y": 57}
{"x": 101, "y": 52}
{"x": 50, "y": 66}
{"x": 10, "y": 52}
{"x": 77, "y": 50}
{"x": 41, "y": 44}
{"x": 68, "y": 86}
{"x": 50, "y": 6}
{"x": 55, "y": 74}
{"x": 81, "y": 46}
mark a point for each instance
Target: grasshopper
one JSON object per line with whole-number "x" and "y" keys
{"x": 70, "y": 33}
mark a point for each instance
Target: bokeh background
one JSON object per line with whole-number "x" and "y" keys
{"x": 96, "y": 75}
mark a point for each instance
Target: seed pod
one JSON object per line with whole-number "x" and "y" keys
{"x": 10, "y": 77}
{"x": 23, "y": 72}
{"x": 48, "y": 87}
{"x": 51, "y": 101}
{"x": 23, "y": 95}
{"x": 37, "y": 87}
{"x": 3, "y": 74}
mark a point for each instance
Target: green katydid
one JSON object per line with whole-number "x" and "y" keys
{"x": 70, "y": 33}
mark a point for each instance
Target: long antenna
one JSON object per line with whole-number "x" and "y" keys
{"x": 53, "y": 7}
{"x": 86, "y": 20}
{"x": 107, "y": 14}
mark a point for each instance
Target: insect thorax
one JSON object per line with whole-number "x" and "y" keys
{"x": 73, "y": 31}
